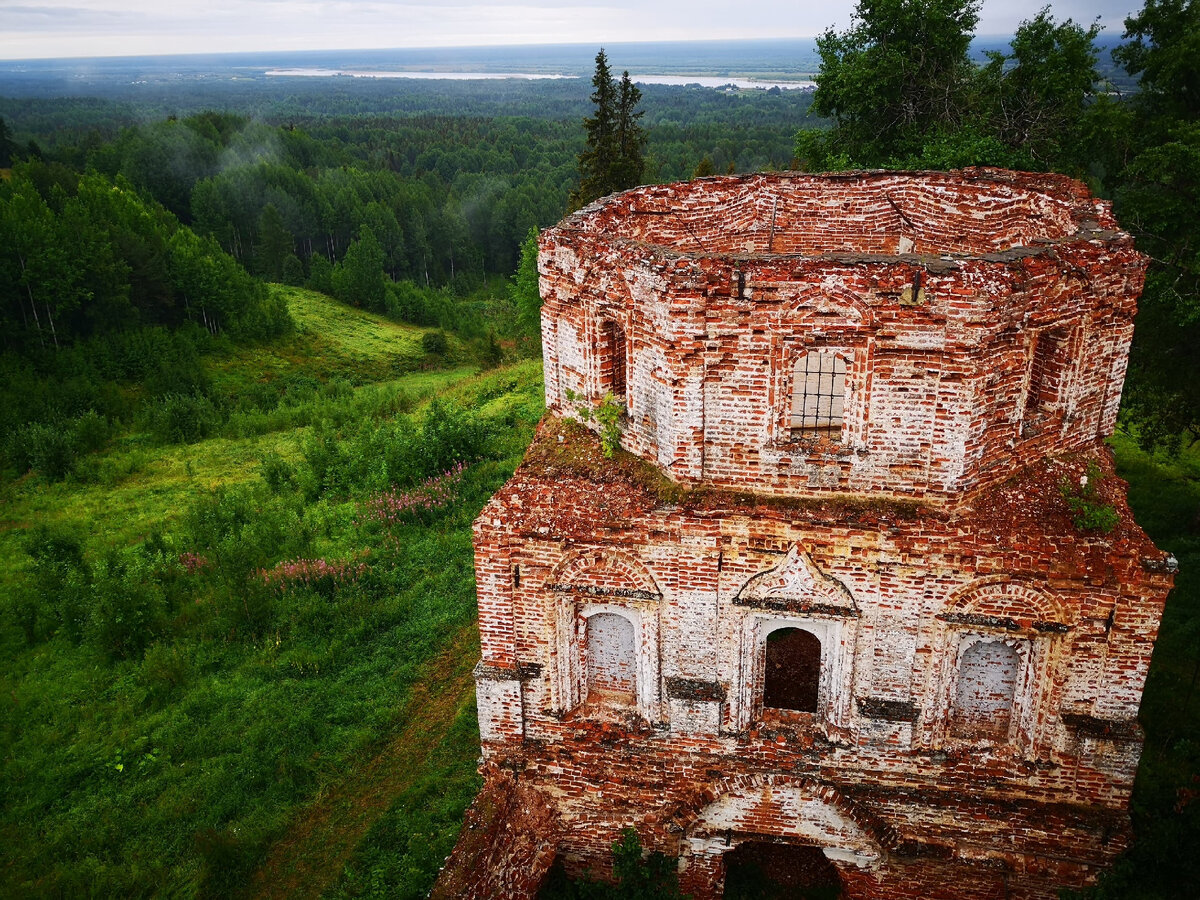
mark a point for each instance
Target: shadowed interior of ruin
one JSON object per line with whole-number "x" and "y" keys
{"x": 793, "y": 670}
{"x": 767, "y": 871}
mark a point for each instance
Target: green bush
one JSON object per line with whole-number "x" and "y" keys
{"x": 166, "y": 670}
{"x": 434, "y": 343}
{"x": 293, "y": 270}
{"x": 56, "y": 595}
{"x": 127, "y": 605}
{"x": 1088, "y": 511}
{"x": 181, "y": 418}
{"x": 91, "y": 432}
{"x": 46, "y": 448}
{"x": 636, "y": 877}
{"x": 277, "y": 473}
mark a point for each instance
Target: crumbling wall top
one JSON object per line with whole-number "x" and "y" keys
{"x": 918, "y": 334}
{"x": 968, "y": 212}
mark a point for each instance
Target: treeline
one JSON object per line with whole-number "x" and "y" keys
{"x": 902, "y": 92}
{"x": 83, "y": 255}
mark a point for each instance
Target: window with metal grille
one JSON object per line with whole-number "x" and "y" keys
{"x": 818, "y": 393}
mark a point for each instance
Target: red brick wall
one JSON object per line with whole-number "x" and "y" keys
{"x": 932, "y": 522}
{"x": 941, "y": 337}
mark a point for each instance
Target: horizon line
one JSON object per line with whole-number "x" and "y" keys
{"x": 427, "y": 47}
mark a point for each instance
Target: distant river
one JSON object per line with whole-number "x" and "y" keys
{"x": 711, "y": 81}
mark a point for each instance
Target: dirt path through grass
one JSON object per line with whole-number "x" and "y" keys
{"x": 310, "y": 857}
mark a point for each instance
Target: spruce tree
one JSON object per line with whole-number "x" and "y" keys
{"x": 631, "y": 137}
{"x": 613, "y": 158}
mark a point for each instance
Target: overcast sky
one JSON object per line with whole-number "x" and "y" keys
{"x": 51, "y": 28}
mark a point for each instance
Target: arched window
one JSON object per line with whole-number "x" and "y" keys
{"x": 987, "y": 683}
{"x": 792, "y": 673}
{"x": 611, "y": 660}
{"x": 818, "y": 394}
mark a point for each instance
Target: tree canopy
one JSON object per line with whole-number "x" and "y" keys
{"x": 902, "y": 91}
{"x": 900, "y": 71}
{"x": 613, "y": 158}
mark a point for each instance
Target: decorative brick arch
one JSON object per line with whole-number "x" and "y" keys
{"x": 796, "y": 594}
{"x": 999, "y": 602}
{"x": 599, "y": 581}
{"x": 604, "y": 572}
{"x": 797, "y": 585}
{"x": 825, "y": 300}
{"x": 735, "y": 809}
{"x": 1034, "y": 623}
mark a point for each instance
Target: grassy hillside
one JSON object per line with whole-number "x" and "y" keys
{"x": 202, "y": 642}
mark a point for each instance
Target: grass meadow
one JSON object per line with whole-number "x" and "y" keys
{"x": 240, "y": 665}
{"x": 237, "y": 660}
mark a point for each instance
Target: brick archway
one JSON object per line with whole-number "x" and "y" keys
{"x": 776, "y": 809}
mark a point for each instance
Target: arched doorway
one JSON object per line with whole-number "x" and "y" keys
{"x": 798, "y": 834}
{"x": 765, "y": 870}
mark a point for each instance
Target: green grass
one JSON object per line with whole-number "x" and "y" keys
{"x": 1164, "y": 494}
{"x": 162, "y": 727}
{"x": 121, "y": 496}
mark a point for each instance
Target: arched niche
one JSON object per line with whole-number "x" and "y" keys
{"x": 795, "y": 596}
{"x": 1000, "y": 637}
{"x": 782, "y": 809}
{"x": 605, "y": 607}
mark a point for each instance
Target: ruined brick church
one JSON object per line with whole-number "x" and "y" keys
{"x": 827, "y": 611}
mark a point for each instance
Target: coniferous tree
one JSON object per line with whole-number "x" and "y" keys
{"x": 631, "y": 137}
{"x": 613, "y": 159}
{"x": 599, "y": 156}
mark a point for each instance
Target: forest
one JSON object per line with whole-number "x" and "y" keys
{"x": 266, "y": 350}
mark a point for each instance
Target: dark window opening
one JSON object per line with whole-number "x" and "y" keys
{"x": 818, "y": 394}
{"x": 613, "y": 366}
{"x": 793, "y": 670}
{"x": 758, "y": 869}
{"x": 1046, "y": 368}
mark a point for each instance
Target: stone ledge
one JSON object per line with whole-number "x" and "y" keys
{"x": 888, "y": 710}
{"x": 1105, "y": 729}
{"x": 695, "y": 689}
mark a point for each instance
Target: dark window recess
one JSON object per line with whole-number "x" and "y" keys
{"x": 1046, "y": 368}
{"x": 613, "y": 368}
{"x": 818, "y": 393}
{"x": 758, "y": 869}
{"x": 793, "y": 670}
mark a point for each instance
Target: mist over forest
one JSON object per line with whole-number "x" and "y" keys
{"x": 269, "y": 342}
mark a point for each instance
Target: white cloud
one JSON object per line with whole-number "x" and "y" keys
{"x": 40, "y": 28}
